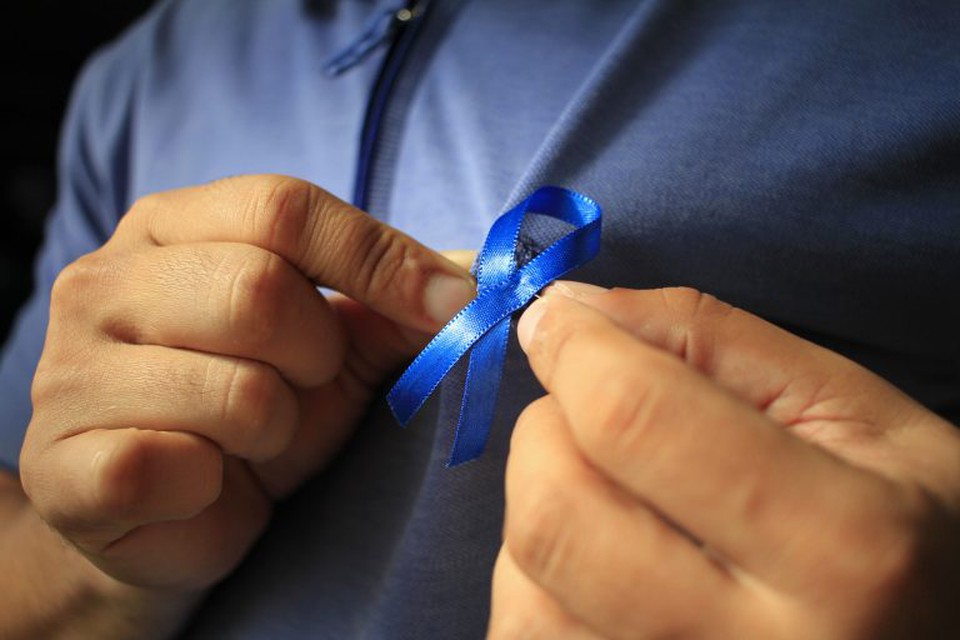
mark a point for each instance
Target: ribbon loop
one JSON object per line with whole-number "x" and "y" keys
{"x": 484, "y": 324}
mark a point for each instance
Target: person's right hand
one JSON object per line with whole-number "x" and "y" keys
{"x": 192, "y": 373}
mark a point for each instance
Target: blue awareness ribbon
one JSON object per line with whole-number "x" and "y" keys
{"x": 503, "y": 287}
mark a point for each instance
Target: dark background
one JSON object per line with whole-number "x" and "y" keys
{"x": 43, "y": 44}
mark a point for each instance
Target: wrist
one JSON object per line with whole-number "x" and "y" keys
{"x": 119, "y": 610}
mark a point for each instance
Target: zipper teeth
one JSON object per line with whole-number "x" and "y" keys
{"x": 406, "y": 24}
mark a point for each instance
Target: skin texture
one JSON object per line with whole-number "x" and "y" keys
{"x": 717, "y": 477}
{"x": 192, "y": 374}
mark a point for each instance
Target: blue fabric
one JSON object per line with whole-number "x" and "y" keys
{"x": 798, "y": 159}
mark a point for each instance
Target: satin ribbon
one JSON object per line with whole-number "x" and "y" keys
{"x": 503, "y": 287}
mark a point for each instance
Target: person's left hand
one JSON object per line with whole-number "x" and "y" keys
{"x": 697, "y": 472}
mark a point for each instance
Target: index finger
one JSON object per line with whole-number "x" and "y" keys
{"x": 817, "y": 394}
{"x": 705, "y": 459}
{"x": 329, "y": 241}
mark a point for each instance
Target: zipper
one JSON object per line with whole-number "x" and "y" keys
{"x": 399, "y": 26}
{"x": 379, "y": 30}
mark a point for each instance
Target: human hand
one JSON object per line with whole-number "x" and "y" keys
{"x": 192, "y": 373}
{"x": 695, "y": 472}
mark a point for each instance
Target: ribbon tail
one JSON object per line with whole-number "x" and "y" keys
{"x": 480, "y": 394}
{"x": 483, "y": 326}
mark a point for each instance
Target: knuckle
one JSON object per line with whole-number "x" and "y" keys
{"x": 143, "y": 209}
{"x": 71, "y": 278}
{"x": 81, "y": 280}
{"x": 146, "y": 205}
{"x": 896, "y": 551}
{"x": 48, "y": 383}
{"x": 117, "y": 478}
{"x": 696, "y": 314}
{"x": 256, "y": 292}
{"x": 619, "y": 416}
{"x": 254, "y": 402}
{"x": 690, "y": 303}
{"x": 384, "y": 260}
{"x": 526, "y": 424}
{"x": 280, "y": 212}
{"x": 85, "y": 296}
{"x": 750, "y": 492}
{"x": 624, "y": 304}
{"x": 535, "y": 528}
{"x": 627, "y": 417}
{"x": 141, "y": 217}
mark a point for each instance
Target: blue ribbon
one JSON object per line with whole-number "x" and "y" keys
{"x": 503, "y": 287}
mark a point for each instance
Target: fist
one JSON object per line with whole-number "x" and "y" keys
{"x": 193, "y": 373}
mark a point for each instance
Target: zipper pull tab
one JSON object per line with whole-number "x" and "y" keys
{"x": 382, "y": 28}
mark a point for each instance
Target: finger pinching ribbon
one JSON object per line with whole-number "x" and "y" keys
{"x": 503, "y": 287}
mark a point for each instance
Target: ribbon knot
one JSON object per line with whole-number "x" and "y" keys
{"x": 503, "y": 287}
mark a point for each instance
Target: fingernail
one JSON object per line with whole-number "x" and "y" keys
{"x": 576, "y": 290}
{"x": 446, "y": 295}
{"x": 527, "y": 325}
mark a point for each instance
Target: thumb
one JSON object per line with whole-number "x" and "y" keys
{"x": 378, "y": 345}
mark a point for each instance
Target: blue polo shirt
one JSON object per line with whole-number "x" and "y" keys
{"x": 801, "y": 160}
